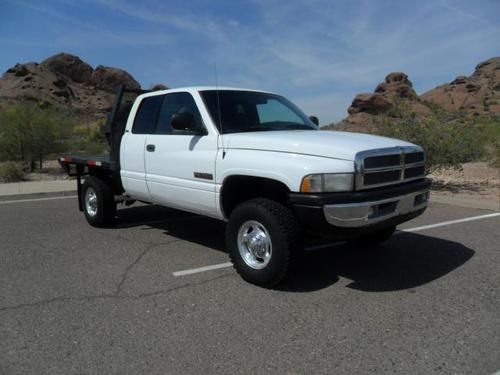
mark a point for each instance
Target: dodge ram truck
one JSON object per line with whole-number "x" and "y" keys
{"x": 254, "y": 160}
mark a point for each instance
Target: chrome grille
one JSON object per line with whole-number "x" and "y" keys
{"x": 388, "y": 166}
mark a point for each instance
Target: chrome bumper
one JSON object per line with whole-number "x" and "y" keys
{"x": 352, "y": 215}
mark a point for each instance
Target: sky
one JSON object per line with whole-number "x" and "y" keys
{"x": 318, "y": 53}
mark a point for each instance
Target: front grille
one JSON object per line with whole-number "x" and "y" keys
{"x": 382, "y": 161}
{"x": 381, "y": 177}
{"x": 414, "y": 157}
{"x": 389, "y": 166}
{"x": 414, "y": 172}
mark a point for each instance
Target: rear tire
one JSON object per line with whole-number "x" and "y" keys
{"x": 263, "y": 238}
{"x": 98, "y": 202}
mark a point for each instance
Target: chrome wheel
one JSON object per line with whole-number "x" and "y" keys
{"x": 254, "y": 244}
{"x": 91, "y": 202}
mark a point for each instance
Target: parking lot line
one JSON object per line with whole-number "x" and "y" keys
{"x": 416, "y": 229}
{"x": 202, "y": 269}
{"x": 38, "y": 199}
{"x": 444, "y": 223}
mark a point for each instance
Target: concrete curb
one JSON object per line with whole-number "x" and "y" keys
{"x": 36, "y": 187}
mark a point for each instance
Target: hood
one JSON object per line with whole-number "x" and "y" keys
{"x": 323, "y": 143}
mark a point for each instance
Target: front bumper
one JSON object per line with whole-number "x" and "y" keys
{"x": 368, "y": 209}
{"x": 353, "y": 215}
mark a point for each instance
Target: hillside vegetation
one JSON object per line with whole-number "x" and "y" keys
{"x": 30, "y": 133}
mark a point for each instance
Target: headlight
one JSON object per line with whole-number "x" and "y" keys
{"x": 327, "y": 182}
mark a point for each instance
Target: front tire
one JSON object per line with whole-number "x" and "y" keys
{"x": 263, "y": 238}
{"x": 98, "y": 202}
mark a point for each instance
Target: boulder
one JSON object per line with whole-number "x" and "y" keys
{"x": 68, "y": 66}
{"x": 108, "y": 79}
{"x": 158, "y": 87}
{"x": 398, "y": 77}
{"x": 369, "y": 103}
{"x": 396, "y": 85}
{"x": 460, "y": 80}
{"x": 19, "y": 70}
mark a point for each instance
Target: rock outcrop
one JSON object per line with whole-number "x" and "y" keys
{"x": 68, "y": 66}
{"x": 476, "y": 94}
{"x": 396, "y": 87}
{"x": 108, "y": 78}
{"x": 65, "y": 81}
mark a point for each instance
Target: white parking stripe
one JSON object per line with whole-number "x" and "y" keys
{"x": 416, "y": 229}
{"x": 444, "y": 223}
{"x": 202, "y": 269}
{"x": 38, "y": 199}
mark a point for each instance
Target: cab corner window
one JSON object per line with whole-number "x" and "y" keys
{"x": 147, "y": 114}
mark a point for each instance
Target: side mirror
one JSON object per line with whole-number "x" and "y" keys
{"x": 183, "y": 121}
{"x": 314, "y": 120}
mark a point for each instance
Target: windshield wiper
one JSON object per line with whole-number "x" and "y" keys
{"x": 258, "y": 129}
{"x": 298, "y": 126}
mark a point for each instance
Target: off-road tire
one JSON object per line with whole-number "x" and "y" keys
{"x": 284, "y": 234}
{"x": 105, "y": 202}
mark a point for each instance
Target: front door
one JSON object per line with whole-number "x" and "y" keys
{"x": 180, "y": 165}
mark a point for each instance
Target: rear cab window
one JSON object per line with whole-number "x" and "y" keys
{"x": 147, "y": 115}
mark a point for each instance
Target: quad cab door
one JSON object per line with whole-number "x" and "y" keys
{"x": 180, "y": 164}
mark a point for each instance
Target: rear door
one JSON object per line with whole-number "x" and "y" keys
{"x": 180, "y": 165}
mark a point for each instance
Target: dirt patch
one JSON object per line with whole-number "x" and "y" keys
{"x": 475, "y": 181}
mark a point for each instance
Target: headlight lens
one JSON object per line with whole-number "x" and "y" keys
{"x": 327, "y": 183}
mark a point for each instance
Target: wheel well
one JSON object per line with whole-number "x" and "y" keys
{"x": 237, "y": 189}
{"x": 110, "y": 178}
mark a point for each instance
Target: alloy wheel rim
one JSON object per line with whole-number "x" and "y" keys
{"x": 91, "y": 202}
{"x": 254, "y": 244}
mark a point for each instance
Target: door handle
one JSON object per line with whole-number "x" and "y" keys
{"x": 150, "y": 148}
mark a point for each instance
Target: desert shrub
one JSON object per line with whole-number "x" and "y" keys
{"x": 449, "y": 139}
{"x": 87, "y": 138}
{"x": 29, "y": 132}
{"x": 490, "y": 138}
{"x": 11, "y": 172}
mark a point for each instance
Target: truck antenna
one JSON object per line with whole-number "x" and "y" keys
{"x": 219, "y": 111}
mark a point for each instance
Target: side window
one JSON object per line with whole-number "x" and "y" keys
{"x": 145, "y": 118}
{"x": 273, "y": 111}
{"x": 178, "y": 102}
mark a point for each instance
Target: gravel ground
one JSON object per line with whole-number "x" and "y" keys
{"x": 475, "y": 181}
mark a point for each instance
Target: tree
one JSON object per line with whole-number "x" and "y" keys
{"x": 29, "y": 132}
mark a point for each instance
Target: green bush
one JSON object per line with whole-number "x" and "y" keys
{"x": 11, "y": 172}
{"x": 29, "y": 133}
{"x": 449, "y": 139}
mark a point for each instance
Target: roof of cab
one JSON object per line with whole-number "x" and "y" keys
{"x": 192, "y": 89}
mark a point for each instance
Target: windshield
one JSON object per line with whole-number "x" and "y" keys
{"x": 246, "y": 111}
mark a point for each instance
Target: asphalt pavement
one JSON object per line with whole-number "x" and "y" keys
{"x": 154, "y": 295}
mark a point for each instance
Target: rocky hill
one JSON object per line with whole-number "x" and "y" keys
{"x": 65, "y": 81}
{"x": 478, "y": 94}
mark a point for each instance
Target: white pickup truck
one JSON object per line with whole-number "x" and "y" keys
{"x": 256, "y": 161}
